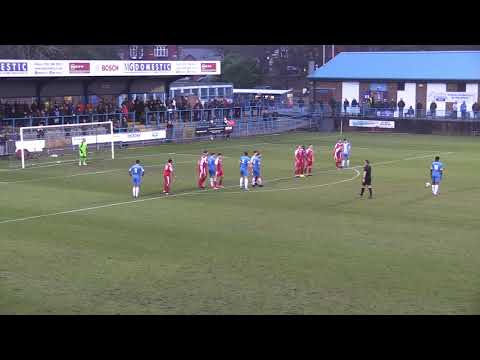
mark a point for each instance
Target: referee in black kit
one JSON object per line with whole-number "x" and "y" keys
{"x": 367, "y": 179}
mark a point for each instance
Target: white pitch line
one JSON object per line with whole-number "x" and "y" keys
{"x": 298, "y": 187}
{"x": 85, "y": 174}
{"x": 126, "y": 202}
{"x": 196, "y": 192}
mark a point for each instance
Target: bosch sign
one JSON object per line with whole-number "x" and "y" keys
{"x": 148, "y": 66}
{"x": 208, "y": 67}
{"x": 82, "y": 68}
{"x": 109, "y": 68}
{"x": 13, "y": 66}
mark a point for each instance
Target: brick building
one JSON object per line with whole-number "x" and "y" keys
{"x": 422, "y": 77}
{"x": 150, "y": 52}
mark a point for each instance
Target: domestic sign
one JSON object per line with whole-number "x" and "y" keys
{"x": 74, "y": 68}
{"x": 372, "y": 124}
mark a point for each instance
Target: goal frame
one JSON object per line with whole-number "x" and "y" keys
{"x": 112, "y": 141}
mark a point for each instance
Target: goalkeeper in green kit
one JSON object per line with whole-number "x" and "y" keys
{"x": 83, "y": 151}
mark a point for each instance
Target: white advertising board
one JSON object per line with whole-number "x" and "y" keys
{"x": 30, "y": 145}
{"x": 78, "y": 68}
{"x": 372, "y": 124}
{"x": 121, "y": 137}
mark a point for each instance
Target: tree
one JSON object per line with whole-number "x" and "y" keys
{"x": 59, "y": 52}
{"x": 243, "y": 72}
{"x": 28, "y": 52}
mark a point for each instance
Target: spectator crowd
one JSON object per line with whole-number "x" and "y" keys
{"x": 177, "y": 109}
{"x": 370, "y": 106}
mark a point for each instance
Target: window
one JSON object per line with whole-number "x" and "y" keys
{"x": 211, "y": 92}
{"x": 221, "y": 91}
{"x": 401, "y": 86}
{"x": 195, "y": 92}
{"x": 160, "y": 51}
{"x": 204, "y": 93}
{"x": 457, "y": 87}
{"x": 228, "y": 92}
{"x": 136, "y": 52}
{"x": 451, "y": 86}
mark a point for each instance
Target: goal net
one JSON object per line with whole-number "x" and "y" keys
{"x": 51, "y": 144}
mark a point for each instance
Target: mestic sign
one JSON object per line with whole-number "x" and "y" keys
{"x": 73, "y": 68}
{"x": 13, "y": 66}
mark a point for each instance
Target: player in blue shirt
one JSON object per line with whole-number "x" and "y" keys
{"x": 436, "y": 172}
{"x": 346, "y": 153}
{"x": 211, "y": 169}
{"x": 256, "y": 161}
{"x": 136, "y": 171}
{"x": 244, "y": 167}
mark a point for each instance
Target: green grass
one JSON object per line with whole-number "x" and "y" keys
{"x": 297, "y": 246}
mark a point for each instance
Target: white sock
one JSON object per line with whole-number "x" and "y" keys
{"x": 259, "y": 181}
{"x": 211, "y": 182}
{"x": 348, "y": 163}
{"x": 254, "y": 181}
{"x": 343, "y": 163}
{"x": 436, "y": 189}
{"x": 241, "y": 182}
{"x": 246, "y": 183}
{"x": 133, "y": 191}
{"x": 138, "y": 190}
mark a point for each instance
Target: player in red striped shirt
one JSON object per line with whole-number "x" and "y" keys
{"x": 219, "y": 171}
{"x": 299, "y": 162}
{"x": 310, "y": 158}
{"x": 167, "y": 176}
{"x": 338, "y": 154}
{"x": 202, "y": 165}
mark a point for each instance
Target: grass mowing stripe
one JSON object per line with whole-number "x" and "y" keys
{"x": 185, "y": 193}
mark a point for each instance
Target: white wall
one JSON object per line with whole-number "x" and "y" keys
{"x": 472, "y": 89}
{"x": 436, "y": 88}
{"x": 408, "y": 95}
{"x": 350, "y": 91}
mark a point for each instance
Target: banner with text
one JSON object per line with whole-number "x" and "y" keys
{"x": 121, "y": 137}
{"x": 372, "y": 124}
{"x": 76, "y": 68}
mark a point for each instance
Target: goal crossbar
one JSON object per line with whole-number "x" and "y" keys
{"x": 40, "y": 127}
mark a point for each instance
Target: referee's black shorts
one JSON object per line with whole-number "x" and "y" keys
{"x": 367, "y": 182}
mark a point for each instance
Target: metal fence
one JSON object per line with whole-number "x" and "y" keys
{"x": 365, "y": 111}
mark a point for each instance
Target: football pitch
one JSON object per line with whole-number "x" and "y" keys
{"x": 73, "y": 241}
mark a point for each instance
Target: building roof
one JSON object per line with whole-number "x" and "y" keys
{"x": 261, "y": 91}
{"x": 190, "y": 83}
{"x": 401, "y": 65}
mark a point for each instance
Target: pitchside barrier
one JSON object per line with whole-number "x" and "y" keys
{"x": 409, "y": 125}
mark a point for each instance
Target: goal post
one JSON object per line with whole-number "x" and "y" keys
{"x": 63, "y": 138}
